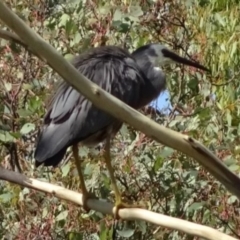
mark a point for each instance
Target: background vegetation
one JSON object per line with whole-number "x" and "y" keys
{"x": 204, "y": 107}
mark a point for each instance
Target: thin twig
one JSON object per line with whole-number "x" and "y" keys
{"x": 14, "y": 38}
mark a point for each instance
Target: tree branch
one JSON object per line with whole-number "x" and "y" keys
{"x": 108, "y": 208}
{"x": 117, "y": 108}
{"x": 14, "y": 38}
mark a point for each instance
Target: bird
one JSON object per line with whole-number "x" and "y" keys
{"x": 135, "y": 78}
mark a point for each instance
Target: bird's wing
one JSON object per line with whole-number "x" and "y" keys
{"x": 72, "y": 118}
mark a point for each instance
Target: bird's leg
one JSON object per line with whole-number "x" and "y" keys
{"x": 111, "y": 171}
{"x": 118, "y": 202}
{"x": 85, "y": 192}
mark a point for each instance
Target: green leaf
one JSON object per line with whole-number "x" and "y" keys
{"x": 75, "y": 236}
{"x": 234, "y": 49}
{"x": 158, "y": 163}
{"x": 62, "y": 216}
{"x": 124, "y": 27}
{"x": 103, "y": 231}
{"x": 196, "y": 206}
{"x": 142, "y": 225}
{"x": 6, "y": 136}
{"x": 26, "y": 128}
{"x": 27, "y": 86}
{"x": 166, "y": 152}
{"x": 193, "y": 84}
{"x": 24, "y": 112}
{"x": 126, "y": 233}
{"x": 223, "y": 47}
{"x": 234, "y": 167}
{"x": 64, "y": 19}
{"x": 83, "y": 151}
{"x": 232, "y": 200}
{"x": 8, "y": 86}
{"x": 229, "y": 117}
{"x": 34, "y": 104}
{"x": 77, "y": 38}
{"x": 44, "y": 212}
{"x": 6, "y": 197}
{"x": 220, "y": 19}
{"x": 136, "y": 11}
{"x": 65, "y": 170}
{"x": 207, "y": 215}
{"x": 117, "y": 16}
{"x": 15, "y": 134}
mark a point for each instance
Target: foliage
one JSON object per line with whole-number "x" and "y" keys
{"x": 205, "y": 107}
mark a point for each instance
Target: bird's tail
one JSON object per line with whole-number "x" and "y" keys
{"x": 52, "y": 161}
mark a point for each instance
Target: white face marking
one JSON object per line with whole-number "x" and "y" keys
{"x": 158, "y": 69}
{"x": 161, "y": 60}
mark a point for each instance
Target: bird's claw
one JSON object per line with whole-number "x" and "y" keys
{"x": 85, "y": 198}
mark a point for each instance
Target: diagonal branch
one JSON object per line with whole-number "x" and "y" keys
{"x": 117, "y": 108}
{"x": 107, "y": 208}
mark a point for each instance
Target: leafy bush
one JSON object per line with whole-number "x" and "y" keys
{"x": 204, "y": 107}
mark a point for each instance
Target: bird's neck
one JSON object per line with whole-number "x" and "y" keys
{"x": 155, "y": 81}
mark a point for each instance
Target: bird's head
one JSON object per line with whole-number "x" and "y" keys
{"x": 160, "y": 55}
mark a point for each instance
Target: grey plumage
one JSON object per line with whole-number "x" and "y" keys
{"x": 71, "y": 118}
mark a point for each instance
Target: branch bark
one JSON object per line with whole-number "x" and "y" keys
{"x": 117, "y": 108}
{"x": 108, "y": 208}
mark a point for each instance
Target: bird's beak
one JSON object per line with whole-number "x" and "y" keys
{"x": 174, "y": 57}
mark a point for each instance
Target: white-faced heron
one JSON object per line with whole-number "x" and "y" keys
{"x": 135, "y": 78}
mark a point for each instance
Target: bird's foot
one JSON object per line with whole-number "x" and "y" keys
{"x": 119, "y": 204}
{"x": 86, "y": 197}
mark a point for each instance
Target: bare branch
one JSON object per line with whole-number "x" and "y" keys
{"x": 117, "y": 108}
{"x": 14, "y": 38}
{"x": 108, "y": 208}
